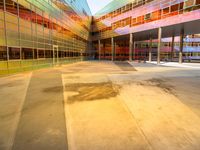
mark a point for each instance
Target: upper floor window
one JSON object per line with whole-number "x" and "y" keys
{"x": 1, "y": 5}
{"x": 175, "y": 8}
{"x": 147, "y": 16}
{"x": 11, "y": 7}
{"x": 189, "y": 3}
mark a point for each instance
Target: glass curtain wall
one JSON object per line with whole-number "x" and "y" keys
{"x": 30, "y": 30}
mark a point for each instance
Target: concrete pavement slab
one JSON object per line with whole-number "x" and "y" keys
{"x": 42, "y": 122}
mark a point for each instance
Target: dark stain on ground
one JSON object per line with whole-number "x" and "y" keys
{"x": 11, "y": 84}
{"x": 161, "y": 83}
{"x": 55, "y": 89}
{"x": 125, "y": 66}
{"x": 92, "y": 91}
{"x": 7, "y": 116}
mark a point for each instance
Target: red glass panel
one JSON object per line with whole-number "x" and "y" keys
{"x": 174, "y": 8}
{"x": 24, "y": 13}
{"x": 11, "y": 7}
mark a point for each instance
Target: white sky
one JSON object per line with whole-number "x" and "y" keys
{"x": 96, "y": 5}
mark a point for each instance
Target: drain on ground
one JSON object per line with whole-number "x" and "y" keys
{"x": 92, "y": 91}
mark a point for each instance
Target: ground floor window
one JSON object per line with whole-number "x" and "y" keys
{"x": 27, "y": 53}
{"x": 49, "y": 54}
{"x": 14, "y": 53}
{"x": 41, "y": 53}
{"x": 3, "y": 53}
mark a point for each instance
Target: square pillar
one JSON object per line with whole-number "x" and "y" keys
{"x": 172, "y": 48}
{"x": 99, "y": 49}
{"x": 115, "y": 45}
{"x": 159, "y": 44}
{"x": 131, "y": 47}
{"x": 113, "y": 48}
{"x": 181, "y": 47}
{"x": 134, "y": 49}
{"x": 150, "y": 49}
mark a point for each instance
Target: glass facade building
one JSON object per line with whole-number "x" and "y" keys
{"x": 40, "y": 33}
{"x": 128, "y": 29}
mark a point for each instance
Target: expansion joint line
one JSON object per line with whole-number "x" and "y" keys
{"x": 137, "y": 124}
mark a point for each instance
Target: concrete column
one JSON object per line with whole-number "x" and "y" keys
{"x": 115, "y": 45}
{"x": 172, "y": 48}
{"x": 53, "y": 55}
{"x": 99, "y": 44}
{"x": 131, "y": 47}
{"x": 181, "y": 47}
{"x": 113, "y": 48}
{"x": 159, "y": 44}
{"x": 150, "y": 49}
{"x": 57, "y": 56}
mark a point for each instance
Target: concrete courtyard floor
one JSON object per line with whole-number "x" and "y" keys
{"x": 101, "y": 106}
